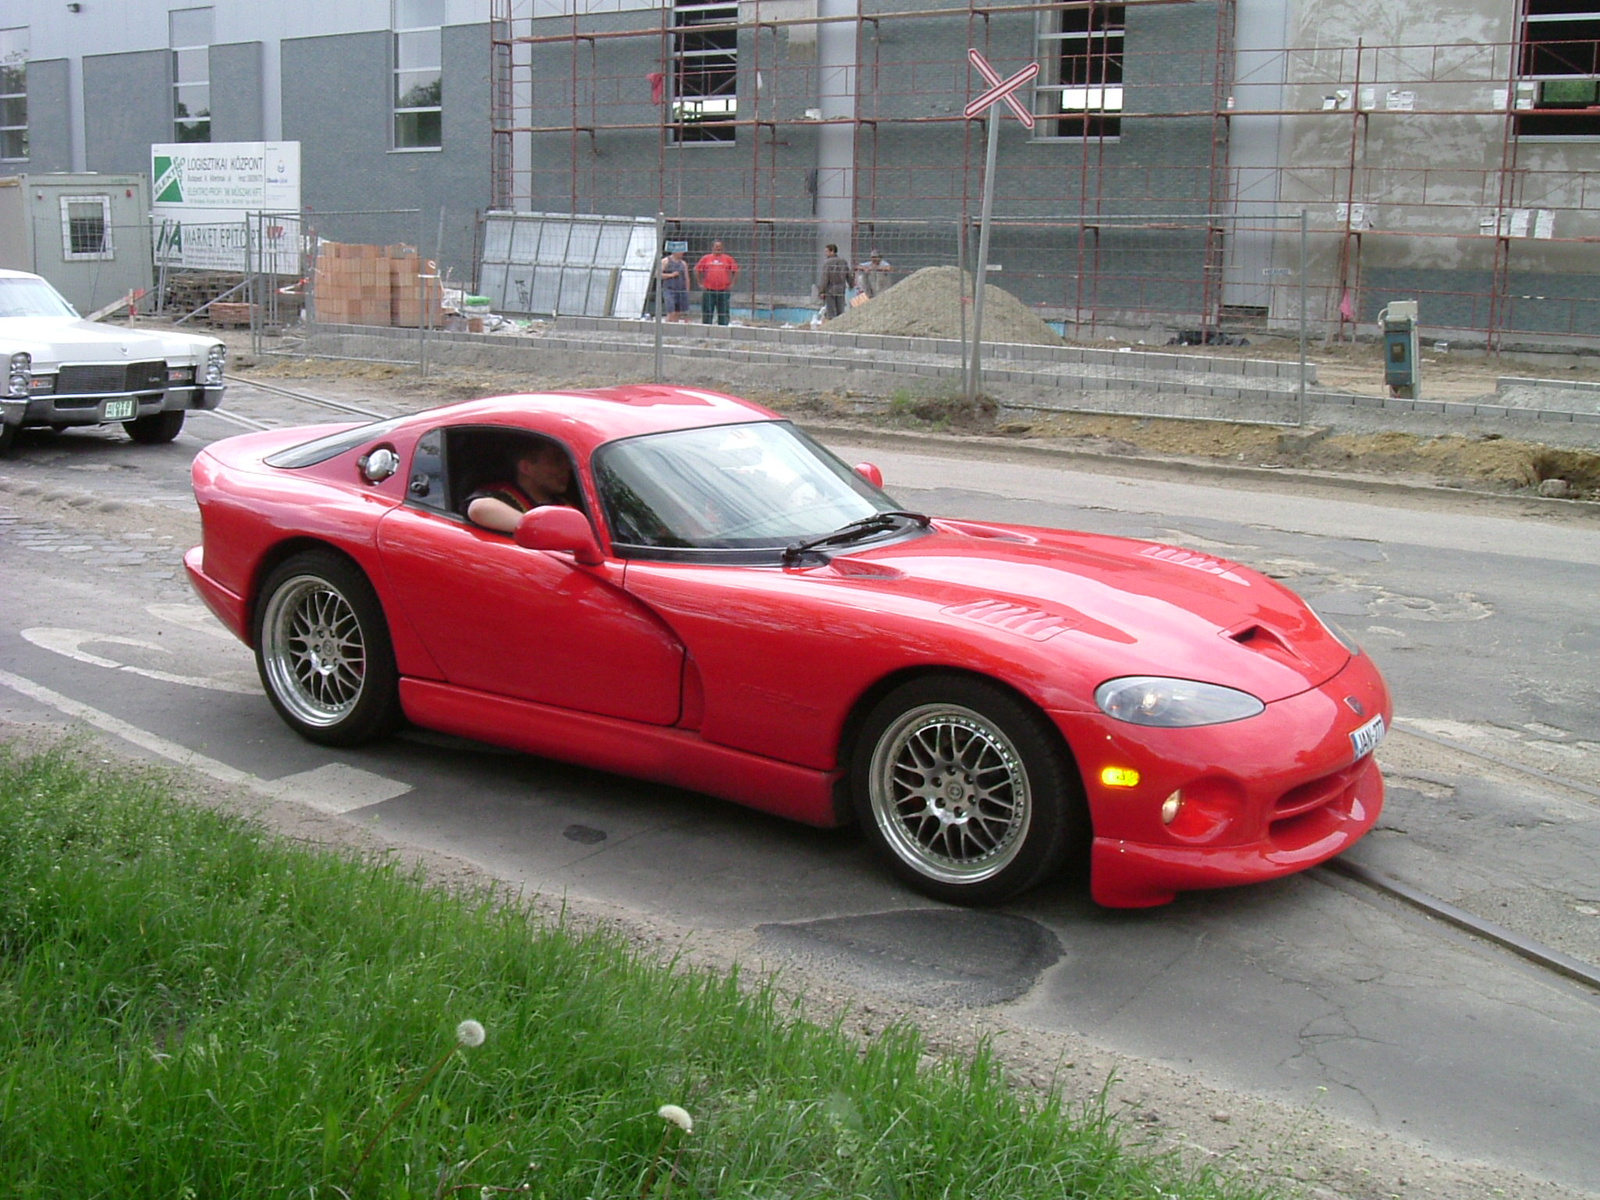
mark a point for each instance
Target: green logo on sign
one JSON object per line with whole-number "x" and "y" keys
{"x": 169, "y": 179}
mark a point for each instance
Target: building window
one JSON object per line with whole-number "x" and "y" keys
{"x": 1079, "y": 88}
{"x": 189, "y": 33}
{"x": 86, "y": 227}
{"x": 418, "y": 74}
{"x": 705, "y": 71}
{"x": 1558, "y": 94}
{"x": 13, "y": 93}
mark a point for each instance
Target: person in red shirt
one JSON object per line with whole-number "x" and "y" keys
{"x": 715, "y": 273}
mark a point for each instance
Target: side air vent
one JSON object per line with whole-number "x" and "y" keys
{"x": 1031, "y": 623}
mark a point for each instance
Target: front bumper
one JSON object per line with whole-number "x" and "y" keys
{"x": 93, "y": 409}
{"x": 1260, "y": 798}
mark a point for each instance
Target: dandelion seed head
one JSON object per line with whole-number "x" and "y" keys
{"x": 470, "y": 1033}
{"x": 676, "y": 1115}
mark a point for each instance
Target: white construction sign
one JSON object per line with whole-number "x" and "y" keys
{"x": 227, "y": 206}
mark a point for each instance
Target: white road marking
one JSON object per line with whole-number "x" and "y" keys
{"x": 331, "y": 788}
{"x": 338, "y": 787}
{"x": 69, "y": 642}
{"x": 191, "y": 616}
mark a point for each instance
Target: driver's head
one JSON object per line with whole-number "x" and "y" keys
{"x": 544, "y": 473}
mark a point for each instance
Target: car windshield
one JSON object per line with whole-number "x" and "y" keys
{"x": 758, "y": 487}
{"x": 32, "y": 298}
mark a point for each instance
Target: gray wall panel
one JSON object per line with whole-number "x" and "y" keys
{"x": 49, "y": 116}
{"x": 127, "y": 105}
{"x": 336, "y": 104}
{"x": 237, "y": 112}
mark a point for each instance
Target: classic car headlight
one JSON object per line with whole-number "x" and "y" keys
{"x": 215, "y": 359}
{"x": 20, "y": 380}
{"x": 1173, "y": 703}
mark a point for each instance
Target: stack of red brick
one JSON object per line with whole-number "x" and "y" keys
{"x": 376, "y": 285}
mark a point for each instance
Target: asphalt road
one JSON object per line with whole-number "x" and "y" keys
{"x": 1310, "y": 990}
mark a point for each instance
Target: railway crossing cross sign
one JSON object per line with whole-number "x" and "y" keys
{"x": 1000, "y": 89}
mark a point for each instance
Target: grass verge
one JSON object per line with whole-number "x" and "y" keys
{"x": 190, "y": 1008}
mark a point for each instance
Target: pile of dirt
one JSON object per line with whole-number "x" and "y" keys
{"x": 927, "y": 303}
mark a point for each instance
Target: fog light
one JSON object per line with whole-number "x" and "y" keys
{"x": 1170, "y": 807}
{"x": 1119, "y": 777}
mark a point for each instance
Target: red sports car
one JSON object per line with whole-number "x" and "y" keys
{"x": 700, "y": 594}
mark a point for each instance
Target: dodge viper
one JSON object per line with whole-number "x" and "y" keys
{"x": 710, "y": 599}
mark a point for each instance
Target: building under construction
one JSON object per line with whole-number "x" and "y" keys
{"x": 1175, "y": 145}
{"x": 1437, "y": 150}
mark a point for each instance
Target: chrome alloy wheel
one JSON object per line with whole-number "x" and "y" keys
{"x": 950, "y": 793}
{"x": 313, "y": 650}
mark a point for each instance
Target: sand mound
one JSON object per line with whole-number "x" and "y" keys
{"x": 927, "y": 303}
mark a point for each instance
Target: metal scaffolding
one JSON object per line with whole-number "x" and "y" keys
{"x": 1373, "y": 139}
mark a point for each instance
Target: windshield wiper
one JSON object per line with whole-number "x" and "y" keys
{"x": 878, "y": 522}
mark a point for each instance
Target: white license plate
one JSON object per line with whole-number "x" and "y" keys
{"x": 1365, "y": 740}
{"x": 121, "y": 410}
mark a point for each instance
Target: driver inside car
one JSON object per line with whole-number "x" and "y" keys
{"x": 543, "y": 476}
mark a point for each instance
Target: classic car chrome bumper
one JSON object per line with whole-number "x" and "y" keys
{"x": 104, "y": 408}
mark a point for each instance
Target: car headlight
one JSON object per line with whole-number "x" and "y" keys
{"x": 20, "y": 380}
{"x": 216, "y": 358}
{"x": 1173, "y": 703}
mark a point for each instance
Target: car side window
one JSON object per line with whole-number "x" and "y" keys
{"x": 428, "y": 484}
{"x": 485, "y": 456}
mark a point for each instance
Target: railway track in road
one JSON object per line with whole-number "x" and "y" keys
{"x": 323, "y": 402}
{"x": 1379, "y": 883}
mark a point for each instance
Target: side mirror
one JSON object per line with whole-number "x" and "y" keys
{"x": 558, "y": 527}
{"x": 870, "y": 472}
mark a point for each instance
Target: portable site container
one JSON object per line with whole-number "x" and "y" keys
{"x": 88, "y": 234}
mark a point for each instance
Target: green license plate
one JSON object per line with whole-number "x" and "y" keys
{"x": 121, "y": 410}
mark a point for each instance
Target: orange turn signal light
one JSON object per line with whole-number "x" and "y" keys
{"x": 1125, "y": 777}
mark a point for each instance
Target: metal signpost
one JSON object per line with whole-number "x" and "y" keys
{"x": 1001, "y": 91}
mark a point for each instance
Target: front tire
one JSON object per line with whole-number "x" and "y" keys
{"x": 323, "y": 651}
{"x": 966, "y": 789}
{"x": 157, "y": 429}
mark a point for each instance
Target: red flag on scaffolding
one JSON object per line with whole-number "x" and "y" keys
{"x": 1347, "y": 310}
{"x": 658, "y": 84}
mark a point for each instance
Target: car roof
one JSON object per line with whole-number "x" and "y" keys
{"x": 7, "y": 273}
{"x": 589, "y": 418}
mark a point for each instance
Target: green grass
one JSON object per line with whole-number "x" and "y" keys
{"x": 192, "y": 1008}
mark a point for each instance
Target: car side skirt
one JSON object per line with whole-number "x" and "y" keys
{"x": 1126, "y": 874}
{"x": 664, "y": 755}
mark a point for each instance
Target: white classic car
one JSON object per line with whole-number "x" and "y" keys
{"x": 62, "y": 370}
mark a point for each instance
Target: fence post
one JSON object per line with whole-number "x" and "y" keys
{"x": 1300, "y": 401}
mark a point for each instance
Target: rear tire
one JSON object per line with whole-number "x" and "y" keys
{"x": 8, "y": 436}
{"x": 323, "y": 651}
{"x": 157, "y": 429}
{"x": 966, "y": 790}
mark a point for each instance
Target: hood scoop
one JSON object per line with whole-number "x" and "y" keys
{"x": 1258, "y": 637}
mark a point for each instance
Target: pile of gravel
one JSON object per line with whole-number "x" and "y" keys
{"x": 927, "y": 303}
